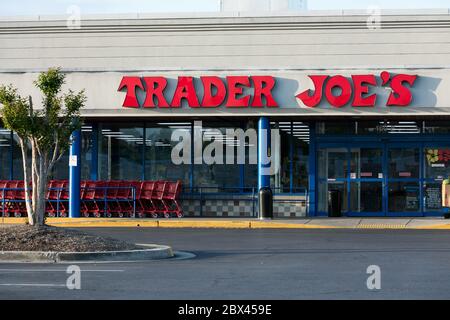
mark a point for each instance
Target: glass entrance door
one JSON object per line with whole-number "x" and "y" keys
{"x": 333, "y": 172}
{"x": 380, "y": 179}
{"x": 404, "y": 183}
{"x": 357, "y": 173}
{"x": 391, "y": 175}
{"x": 366, "y": 181}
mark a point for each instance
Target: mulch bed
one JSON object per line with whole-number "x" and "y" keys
{"x": 27, "y": 238}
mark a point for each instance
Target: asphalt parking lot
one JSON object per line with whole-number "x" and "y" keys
{"x": 253, "y": 264}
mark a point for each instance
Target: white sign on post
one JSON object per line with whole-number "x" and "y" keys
{"x": 73, "y": 161}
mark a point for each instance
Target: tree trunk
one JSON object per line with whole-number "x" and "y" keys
{"x": 35, "y": 159}
{"x": 41, "y": 192}
{"x": 26, "y": 180}
{"x": 35, "y": 199}
{"x": 40, "y": 167}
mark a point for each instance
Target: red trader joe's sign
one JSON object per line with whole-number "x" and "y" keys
{"x": 337, "y": 90}
{"x": 216, "y": 92}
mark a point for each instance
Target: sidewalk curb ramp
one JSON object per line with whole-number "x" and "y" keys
{"x": 152, "y": 252}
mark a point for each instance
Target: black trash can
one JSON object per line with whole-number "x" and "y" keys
{"x": 265, "y": 203}
{"x": 334, "y": 204}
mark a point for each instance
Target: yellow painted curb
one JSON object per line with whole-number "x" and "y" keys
{"x": 280, "y": 225}
{"x": 88, "y": 222}
{"x": 435, "y": 227}
{"x": 108, "y": 224}
{"x": 101, "y": 223}
{"x": 202, "y": 224}
{"x": 13, "y": 220}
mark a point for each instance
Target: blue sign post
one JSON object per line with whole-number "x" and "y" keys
{"x": 75, "y": 175}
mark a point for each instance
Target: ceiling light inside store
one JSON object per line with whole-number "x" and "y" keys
{"x": 175, "y": 124}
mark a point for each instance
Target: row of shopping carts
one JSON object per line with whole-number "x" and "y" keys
{"x": 100, "y": 199}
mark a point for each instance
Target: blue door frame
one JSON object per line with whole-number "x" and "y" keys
{"x": 404, "y": 145}
{"x": 348, "y": 180}
{"x": 385, "y": 143}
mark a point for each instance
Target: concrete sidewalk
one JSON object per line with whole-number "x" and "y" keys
{"x": 306, "y": 223}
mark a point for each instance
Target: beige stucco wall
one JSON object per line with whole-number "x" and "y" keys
{"x": 97, "y": 55}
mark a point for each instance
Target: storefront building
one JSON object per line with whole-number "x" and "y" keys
{"x": 359, "y": 109}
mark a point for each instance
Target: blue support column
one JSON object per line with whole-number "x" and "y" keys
{"x": 94, "y": 153}
{"x": 312, "y": 171}
{"x": 192, "y": 166}
{"x": 264, "y": 148}
{"x": 265, "y": 195}
{"x": 291, "y": 159}
{"x": 144, "y": 147}
{"x": 75, "y": 175}
{"x": 11, "y": 156}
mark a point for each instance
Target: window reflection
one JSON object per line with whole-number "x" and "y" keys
{"x": 219, "y": 177}
{"x": 404, "y": 197}
{"x": 366, "y": 163}
{"x": 366, "y": 197}
{"x": 301, "y": 142}
{"x": 336, "y": 128}
{"x": 125, "y": 154}
{"x": 5, "y": 154}
{"x": 158, "y": 150}
{"x": 120, "y": 151}
{"x": 437, "y": 127}
{"x": 281, "y": 181}
{"x": 404, "y": 163}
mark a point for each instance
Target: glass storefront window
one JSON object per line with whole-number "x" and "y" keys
{"x": 301, "y": 140}
{"x": 401, "y": 127}
{"x": 324, "y": 187}
{"x": 16, "y": 167}
{"x": 388, "y": 127}
{"x": 61, "y": 168}
{"x": 404, "y": 163}
{"x": 292, "y": 156}
{"x": 5, "y": 154}
{"x": 366, "y": 197}
{"x": 366, "y": 163}
{"x": 120, "y": 151}
{"x": 437, "y": 163}
{"x": 250, "y": 170}
{"x": 158, "y": 152}
{"x": 17, "y": 159}
{"x": 336, "y": 128}
{"x": 281, "y": 181}
{"x": 333, "y": 163}
{"x": 368, "y": 127}
{"x": 87, "y": 141}
{"x": 404, "y": 197}
{"x": 337, "y": 164}
{"x": 125, "y": 154}
{"x": 437, "y": 127}
{"x": 218, "y": 177}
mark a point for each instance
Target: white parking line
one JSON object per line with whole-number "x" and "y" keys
{"x": 32, "y": 285}
{"x": 52, "y": 270}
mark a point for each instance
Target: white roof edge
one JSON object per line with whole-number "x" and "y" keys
{"x": 186, "y": 15}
